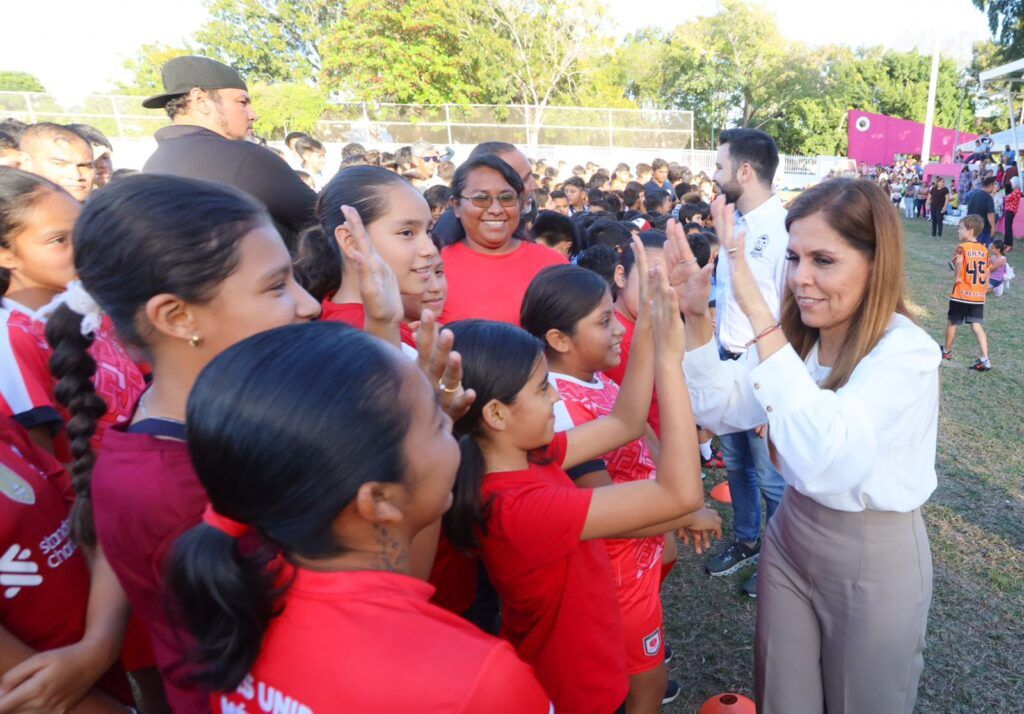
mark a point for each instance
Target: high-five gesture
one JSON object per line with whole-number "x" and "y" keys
{"x": 378, "y": 287}
{"x": 744, "y": 285}
{"x": 442, "y": 365}
{"x": 691, "y": 282}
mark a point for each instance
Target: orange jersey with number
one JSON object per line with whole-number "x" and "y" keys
{"x": 972, "y": 275}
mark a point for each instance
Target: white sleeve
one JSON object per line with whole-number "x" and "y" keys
{"x": 720, "y": 392}
{"x": 829, "y": 441}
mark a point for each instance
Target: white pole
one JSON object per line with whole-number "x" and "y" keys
{"x": 926, "y": 144}
{"x": 1013, "y": 124}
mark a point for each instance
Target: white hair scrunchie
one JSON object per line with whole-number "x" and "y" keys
{"x": 78, "y": 299}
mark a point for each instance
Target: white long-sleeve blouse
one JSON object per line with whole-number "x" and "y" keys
{"x": 868, "y": 445}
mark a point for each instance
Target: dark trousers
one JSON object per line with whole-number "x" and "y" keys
{"x": 937, "y": 217}
{"x": 1008, "y": 227}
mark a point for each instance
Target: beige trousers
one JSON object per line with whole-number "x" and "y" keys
{"x": 842, "y": 607}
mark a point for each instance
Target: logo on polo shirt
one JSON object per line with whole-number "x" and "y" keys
{"x": 652, "y": 643}
{"x": 759, "y": 245}
{"x": 15, "y": 487}
{"x": 17, "y": 571}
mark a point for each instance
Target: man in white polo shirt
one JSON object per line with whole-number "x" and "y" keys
{"x": 744, "y": 170}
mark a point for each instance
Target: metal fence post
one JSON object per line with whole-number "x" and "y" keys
{"x": 31, "y": 109}
{"x": 611, "y": 131}
{"x": 117, "y": 117}
{"x": 448, "y": 122}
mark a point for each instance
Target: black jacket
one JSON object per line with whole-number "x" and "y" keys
{"x": 195, "y": 152}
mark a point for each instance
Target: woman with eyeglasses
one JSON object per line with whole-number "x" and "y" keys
{"x": 489, "y": 270}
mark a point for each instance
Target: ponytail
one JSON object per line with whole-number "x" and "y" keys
{"x": 497, "y": 361}
{"x": 318, "y": 263}
{"x": 74, "y": 368}
{"x": 468, "y": 513}
{"x": 227, "y": 595}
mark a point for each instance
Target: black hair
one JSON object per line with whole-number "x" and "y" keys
{"x": 631, "y": 194}
{"x": 438, "y": 196}
{"x": 353, "y": 160}
{"x": 293, "y": 135}
{"x": 118, "y": 174}
{"x": 661, "y": 220}
{"x": 601, "y": 260}
{"x": 318, "y": 262}
{"x": 8, "y": 141}
{"x": 989, "y": 181}
{"x": 690, "y": 211}
{"x": 491, "y": 148}
{"x": 659, "y": 164}
{"x": 497, "y": 361}
{"x": 138, "y": 237}
{"x": 14, "y": 127}
{"x": 643, "y": 169}
{"x": 754, "y": 147}
{"x": 650, "y": 239}
{"x": 596, "y": 197}
{"x": 552, "y": 228}
{"x": 654, "y": 200}
{"x": 999, "y": 244}
{"x": 689, "y": 226}
{"x": 91, "y": 134}
{"x": 558, "y": 193}
{"x": 351, "y": 149}
{"x": 597, "y": 180}
{"x": 305, "y": 144}
{"x": 558, "y": 298}
{"x": 613, "y": 202}
{"x": 605, "y": 231}
{"x": 574, "y": 181}
{"x": 622, "y": 167}
{"x": 19, "y": 190}
{"x": 551, "y": 172}
{"x": 675, "y": 173}
{"x": 540, "y": 195}
{"x": 681, "y": 190}
{"x": 263, "y": 420}
{"x": 701, "y": 248}
{"x": 486, "y": 161}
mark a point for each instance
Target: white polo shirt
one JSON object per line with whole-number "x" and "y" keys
{"x": 765, "y": 244}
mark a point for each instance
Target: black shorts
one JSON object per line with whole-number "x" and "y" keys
{"x": 965, "y": 312}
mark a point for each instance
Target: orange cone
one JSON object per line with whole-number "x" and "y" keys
{"x": 728, "y": 704}
{"x": 721, "y": 493}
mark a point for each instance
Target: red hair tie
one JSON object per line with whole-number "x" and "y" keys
{"x": 223, "y": 523}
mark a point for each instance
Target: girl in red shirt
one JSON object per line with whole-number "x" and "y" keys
{"x": 36, "y": 266}
{"x": 538, "y": 534}
{"x": 317, "y": 611}
{"x": 184, "y": 269}
{"x": 396, "y": 218}
{"x": 570, "y": 309}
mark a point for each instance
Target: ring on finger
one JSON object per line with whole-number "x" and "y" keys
{"x": 449, "y": 390}
{"x": 730, "y": 251}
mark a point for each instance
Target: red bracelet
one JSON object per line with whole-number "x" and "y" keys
{"x": 764, "y": 333}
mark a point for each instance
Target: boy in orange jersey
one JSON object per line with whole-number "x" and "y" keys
{"x": 967, "y": 301}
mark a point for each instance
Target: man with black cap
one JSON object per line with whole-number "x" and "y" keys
{"x": 212, "y": 115}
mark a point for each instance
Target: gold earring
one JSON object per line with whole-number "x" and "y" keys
{"x": 194, "y": 340}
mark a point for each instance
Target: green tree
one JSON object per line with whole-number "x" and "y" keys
{"x": 12, "y": 81}
{"x": 143, "y": 68}
{"x": 408, "y": 51}
{"x": 1006, "y": 21}
{"x": 271, "y": 40}
{"x": 286, "y": 107}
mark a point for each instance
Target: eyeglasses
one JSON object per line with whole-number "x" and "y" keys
{"x": 505, "y": 199}
{"x": 432, "y": 159}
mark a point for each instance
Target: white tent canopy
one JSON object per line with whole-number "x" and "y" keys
{"x": 999, "y": 141}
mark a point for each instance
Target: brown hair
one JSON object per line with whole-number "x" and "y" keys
{"x": 975, "y": 224}
{"x": 861, "y": 212}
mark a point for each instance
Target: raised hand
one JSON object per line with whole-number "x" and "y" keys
{"x": 668, "y": 325}
{"x": 378, "y": 286}
{"x": 744, "y": 285}
{"x": 691, "y": 282}
{"x": 442, "y": 365}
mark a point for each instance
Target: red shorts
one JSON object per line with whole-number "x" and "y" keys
{"x": 641, "y": 623}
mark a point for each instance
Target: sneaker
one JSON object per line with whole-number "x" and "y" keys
{"x": 671, "y": 692}
{"x": 750, "y": 587}
{"x": 668, "y": 653}
{"x": 736, "y": 556}
{"x": 982, "y": 365}
{"x": 947, "y": 355}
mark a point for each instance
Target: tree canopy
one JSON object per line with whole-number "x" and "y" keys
{"x": 11, "y": 81}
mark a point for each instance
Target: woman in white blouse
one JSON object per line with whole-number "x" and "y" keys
{"x": 848, "y": 386}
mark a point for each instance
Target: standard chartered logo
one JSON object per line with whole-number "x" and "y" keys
{"x": 17, "y": 571}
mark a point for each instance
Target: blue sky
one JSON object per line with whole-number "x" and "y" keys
{"x": 84, "y": 44}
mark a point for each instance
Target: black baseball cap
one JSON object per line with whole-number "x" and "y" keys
{"x": 181, "y": 74}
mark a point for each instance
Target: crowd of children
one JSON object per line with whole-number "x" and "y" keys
{"x": 464, "y": 497}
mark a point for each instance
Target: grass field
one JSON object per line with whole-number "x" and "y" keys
{"x": 974, "y": 661}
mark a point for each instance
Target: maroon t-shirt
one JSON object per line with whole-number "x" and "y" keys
{"x": 145, "y": 494}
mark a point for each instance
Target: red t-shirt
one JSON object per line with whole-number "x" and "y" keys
{"x": 27, "y": 386}
{"x": 353, "y": 313}
{"x": 491, "y": 287}
{"x": 558, "y": 602}
{"x": 632, "y": 559}
{"x": 454, "y": 577}
{"x": 369, "y": 641}
{"x": 145, "y": 494}
{"x": 618, "y": 372}
{"x": 44, "y": 577}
